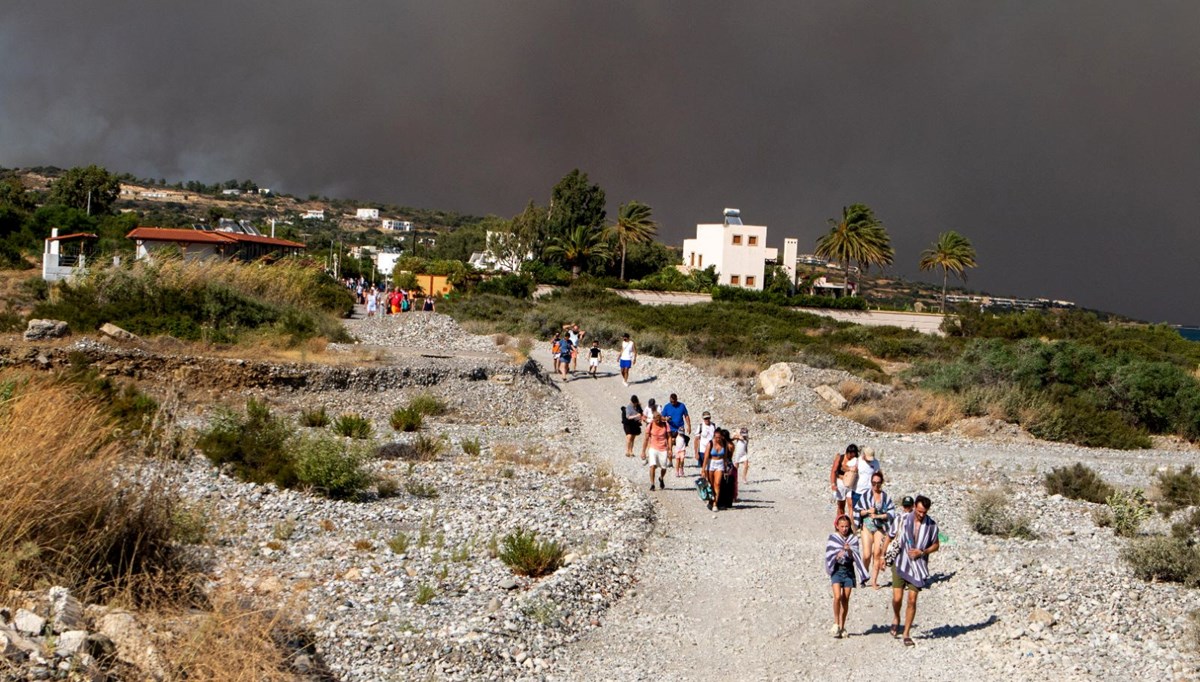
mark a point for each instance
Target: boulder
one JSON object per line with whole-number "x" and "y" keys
{"x": 66, "y": 612}
{"x": 114, "y": 332}
{"x": 70, "y": 643}
{"x": 775, "y": 377}
{"x": 28, "y": 622}
{"x": 133, "y": 644}
{"x": 830, "y": 395}
{"x": 41, "y": 330}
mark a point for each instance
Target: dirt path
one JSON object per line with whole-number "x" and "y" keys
{"x": 742, "y": 595}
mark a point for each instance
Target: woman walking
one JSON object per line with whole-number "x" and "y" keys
{"x": 632, "y": 419}
{"x": 713, "y": 467}
{"x": 741, "y": 456}
{"x": 844, "y": 565}
{"x": 875, "y": 509}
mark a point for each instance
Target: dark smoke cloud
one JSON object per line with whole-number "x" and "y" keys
{"x": 1061, "y": 137}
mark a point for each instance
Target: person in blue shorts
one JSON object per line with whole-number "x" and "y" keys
{"x": 844, "y": 565}
{"x": 628, "y": 357}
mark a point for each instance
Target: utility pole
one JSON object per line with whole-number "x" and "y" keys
{"x": 89, "y": 203}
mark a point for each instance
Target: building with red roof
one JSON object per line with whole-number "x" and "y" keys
{"x": 193, "y": 243}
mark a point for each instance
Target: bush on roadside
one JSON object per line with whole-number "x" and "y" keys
{"x": 352, "y": 425}
{"x": 1164, "y": 558}
{"x": 314, "y": 419}
{"x": 989, "y": 514}
{"x": 406, "y": 419}
{"x": 428, "y": 405}
{"x": 253, "y": 444}
{"x": 1129, "y": 510}
{"x": 330, "y": 466}
{"x": 1077, "y": 482}
{"x": 1179, "y": 489}
{"x": 525, "y": 554}
{"x": 471, "y": 447}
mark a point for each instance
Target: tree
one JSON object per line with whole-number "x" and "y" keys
{"x": 634, "y": 225}
{"x": 14, "y": 195}
{"x": 952, "y": 252}
{"x": 92, "y": 189}
{"x": 857, "y": 237}
{"x": 574, "y": 201}
{"x": 517, "y": 241}
{"x": 580, "y": 248}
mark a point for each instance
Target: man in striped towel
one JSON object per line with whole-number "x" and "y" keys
{"x": 843, "y": 563}
{"x": 918, "y": 538}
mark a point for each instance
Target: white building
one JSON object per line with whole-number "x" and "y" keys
{"x": 401, "y": 225}
{"x": 367, "y": 214}
{"x": 385, "y": 262}
{"x": 738, "y": 251}
{"x": 231, "y": 192}
{"x": 314, "y": 214}
{"x": 499, "y": 254}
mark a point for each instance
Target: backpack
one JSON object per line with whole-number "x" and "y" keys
{"x": 623, "y": 417}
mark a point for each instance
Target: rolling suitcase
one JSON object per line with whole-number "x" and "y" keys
{"x": 728, "y": 487}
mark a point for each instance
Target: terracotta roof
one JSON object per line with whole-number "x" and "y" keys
{"x": 256, "y": 239}
{"x": 73, "y": 235}
{"x": 172, "y": 234}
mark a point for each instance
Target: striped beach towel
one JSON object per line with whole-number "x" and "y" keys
{"x": 915, "y": 571}
{"x": 867, "y": 502}
{"x": 836, "y": 544}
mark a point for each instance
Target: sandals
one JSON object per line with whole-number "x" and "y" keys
{"x": 909, "y": 642}
{"x": 895, "y": 630}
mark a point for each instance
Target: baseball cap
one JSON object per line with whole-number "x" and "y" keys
{"x": 907, "y": 501}
{"x": 706, "y": 414}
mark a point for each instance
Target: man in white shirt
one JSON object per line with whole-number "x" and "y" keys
{"x": 704, "y": 435}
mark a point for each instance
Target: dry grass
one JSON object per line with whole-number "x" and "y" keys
{"x": 858, "y": 392}
{"x": 66, "y": 516}
{"x": 906, "y": 412}
{"x": 285, "y": 283}
{"x": 732, "y": 368}
{"x": 532, "y": 457}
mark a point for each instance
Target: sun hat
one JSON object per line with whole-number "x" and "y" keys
{"x": 868, "y": 453}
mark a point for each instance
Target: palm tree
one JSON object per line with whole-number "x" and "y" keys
{"x": 952, "y": 252}
{"x": 579, "y": 248}
{"x": 857, "y": 237}
{"x": 634, "y": 225}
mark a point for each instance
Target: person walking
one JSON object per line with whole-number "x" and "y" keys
{"x": 555, "y": 342}
{"x": 836, "y": 472}
{"x": 632, "y": 419}
{"x": 594, "y": 358}
{"x": 656, "y": 448}
{"x": 704, "y": 435}
{"x": 628, "y": 357}
{"x": 874, "y": 509}
{"x": 372, "y": 302}
{"x": 565, "y": 352}
{"x": 844, "y": 566}
{"x": 575, "y": 334}
{"x": 741, "y": 456}
{"x": 867, "y": 464}
{"x": 918, "y": 539}
{"x": 677, "y": 415}
{"x": 713, "y": 466}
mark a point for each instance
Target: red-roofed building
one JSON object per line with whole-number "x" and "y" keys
{"x": 204, "y": 244}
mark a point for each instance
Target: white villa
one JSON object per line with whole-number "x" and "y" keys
{"x": 367, "y": 214}
{"x": 738, "y": 251}
{"x": 399, "y": 225}
{"x": 313, "y": 214}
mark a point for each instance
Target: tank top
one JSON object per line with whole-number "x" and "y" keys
{"x": 627, "y": 350}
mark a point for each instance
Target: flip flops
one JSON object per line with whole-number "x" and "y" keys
{"x": 895, "y": 631}
{"x": 909, "y": 642}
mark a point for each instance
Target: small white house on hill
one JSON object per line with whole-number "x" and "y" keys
{"x": 367, "y": 214}
{"x": 738, "y": 251}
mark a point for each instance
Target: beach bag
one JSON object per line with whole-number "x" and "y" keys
{"x": 704, "y": 489}
{"x": 893, "y": 551}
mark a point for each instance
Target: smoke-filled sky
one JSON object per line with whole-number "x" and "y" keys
{"x": 1063, "y": 138}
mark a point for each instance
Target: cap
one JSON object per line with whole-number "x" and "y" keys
{"x": 706, "y": 414}
{"x": 907, "y": 501}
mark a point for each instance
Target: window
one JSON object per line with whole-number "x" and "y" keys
{"x": 734, "y": 280}
{"x": 693, "y": 259}
{"x": 737, "y": 239}
{"x": 753, "y": 240}
{"x": 750, "y": 278}
{"x": 700, "y": 261}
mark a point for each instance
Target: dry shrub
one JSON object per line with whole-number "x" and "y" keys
{"x": 70, "y": 515}
{"x": 532, "y": 457}
{"x": 906, "y": 412}
{"x": 859, "y": 392}
{"x": 237, "y": 642}
{"x": 733, "y": 368}
{"x": 500, "y": 339}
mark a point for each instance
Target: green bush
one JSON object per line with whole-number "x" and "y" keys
{"x": 421, "y": 489}
{"x": 352, "y": 425}
{"x": 515, "y": 286}
{"x": 254, "y": 444}
{"x": 1179, "y": 489}
{"x": 406, "y": 419}
{"x": 425, "y": 594}
{"x": 526, "y": 555}
{"x": 428, "y": 405}
{"x": 330, "y": 467}
{"x": 989, "y": 514}
{"x": 422, "y": 449}
{"x": 131, "y": 408}
{"x": 317, "y": 418}
{"x": 1078, "y": 482}
{"x": 471, "y": 446}
{"x": 1129, "y": 510}
{"x": 1164, "y": 558}
{"x": 399, "y": 543}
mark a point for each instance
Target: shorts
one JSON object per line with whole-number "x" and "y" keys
{"x": 626, "y": 364}
{"x": 657, "y": 458}
{"x": 716, "y": 464}
{"x": 843, "y": 574}
{"x": 593, "y": 362}
{"x": 564, "y": 359}
{"x": 842, "y": 491}
{"x": 741, "y": 457}
{"x": 898, "y": 582}
{"x": 632, "y": 427}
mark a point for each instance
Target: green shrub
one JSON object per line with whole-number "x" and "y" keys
{"x": 387, "y": 487}
{"x": 471, "y": 446}
{"x": 330, "y": 467}
{"x": 428, "y": 405}
{"x": 399, "y": 543}
{"x": 989, "y": 515}
{"x": 1164, "y": 558}
{"x": 317, "y": 418}
{"x": 429, "y": 448}
{"x": 425, "y": 594}
{"x": 131, "y": 408}
{"x": 420, "y": 489}
{"x": 526, "y": 555}
{"x": 1078, "y": 482}
{"x": 352, "y": 426}
{"x": 254, "y": 445}
{"x": 406, "y": 419}
{"x": 513, "y": 285}
{"x": 1188, "y": 527}
{"x": 1129, "y": 510}
{"x": 1081, "y": 421}
{"x": 1179, "y": 489}
{"x": 189, "y": 525}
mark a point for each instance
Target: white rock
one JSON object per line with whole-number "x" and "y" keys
{"x": 775, "y": 377}
{"x": 29, "y": 622}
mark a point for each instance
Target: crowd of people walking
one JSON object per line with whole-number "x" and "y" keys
{"x": 386, "y": 299}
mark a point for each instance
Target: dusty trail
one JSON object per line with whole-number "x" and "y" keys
{"x": 741, "y": 595}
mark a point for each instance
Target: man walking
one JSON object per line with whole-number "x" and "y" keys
{"x": 704, "y": 435}
{"x": 918, "y": 539}
{"x": 628, "y": 357}
{"x": 677, "y": 416}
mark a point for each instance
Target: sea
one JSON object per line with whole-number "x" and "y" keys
{"x": 1189, "y": 333}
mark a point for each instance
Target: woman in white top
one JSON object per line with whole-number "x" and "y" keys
{"x": 372, "y": 302}
{"x": 741, "y": 455}
{"x": 628, "y": 357}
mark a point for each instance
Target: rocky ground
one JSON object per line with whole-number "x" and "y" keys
{"x": 657, "y": 587}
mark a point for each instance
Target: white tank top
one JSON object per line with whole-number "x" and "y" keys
{"x": 627, "y": 350}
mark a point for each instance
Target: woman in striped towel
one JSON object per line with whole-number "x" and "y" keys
{"x": 875, "y": 509}
{"x": 919, "y": 539}
{"x": 843, "y": 563}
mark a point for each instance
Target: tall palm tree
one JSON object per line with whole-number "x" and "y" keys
{"x": 856, "y": 237}
{"x": 634, "y": 225}
{"x": 579, "y": 248}
{"x": 952, "y": 252}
